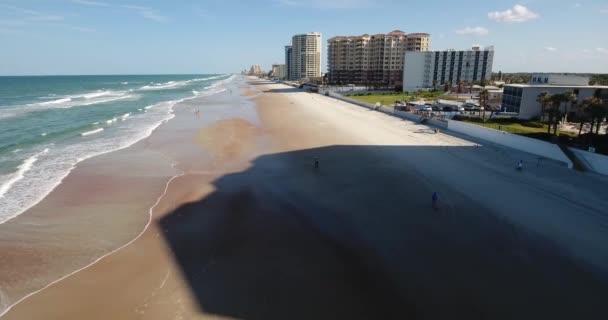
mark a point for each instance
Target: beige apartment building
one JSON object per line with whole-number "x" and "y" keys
{"x": 305, "y": 59}
{"x": 372, "y": 59}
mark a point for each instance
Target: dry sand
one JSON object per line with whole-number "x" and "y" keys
{"x": 250, "y": 230}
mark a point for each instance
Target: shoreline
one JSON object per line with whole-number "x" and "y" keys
{"x": 210, "y": 90}
{"x": 83, "y": 163}
{"x": 250, "y": 221}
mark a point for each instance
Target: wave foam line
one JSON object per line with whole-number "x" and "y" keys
{"x": 20, "y": 174}
{"x": 88, "y": 133}
{"x": 150, "y": 216}
{"x": 52, "y": 102}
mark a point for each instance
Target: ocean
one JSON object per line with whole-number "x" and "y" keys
{"x": 50, "y": 123}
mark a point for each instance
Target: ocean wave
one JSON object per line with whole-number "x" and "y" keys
{"x": 42, "y": 174}
{"x": 78, "y": 100}
{"x": 20, "y": 174}
{"x": 111, "y": 120}
{"x": 50, "y": 103}
{"x": 175, "y": 84}
{"x": 88, "y": 133}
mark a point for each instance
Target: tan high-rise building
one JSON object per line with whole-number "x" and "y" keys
{"x": 305, "y": 56}
{"x": 372, "y": 59}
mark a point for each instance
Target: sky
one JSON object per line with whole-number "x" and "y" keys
{"x": 51, "y": 37}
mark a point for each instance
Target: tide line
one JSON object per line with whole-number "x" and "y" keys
{"x": 150, "y": 215}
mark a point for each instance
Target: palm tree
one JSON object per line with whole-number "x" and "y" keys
{"x": 554, "y": 112}
{"x": 597, "y": 110}
{"x": 582, "y": 113}
{"x": 484, "y": 96}
{"x": 570, "y": 97}
{"x": 543, "y": 99}
{"x": 460, "y": 84}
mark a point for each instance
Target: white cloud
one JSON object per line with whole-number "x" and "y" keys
{"x": 602, "y": 50}
{"x": 91, "y": 3}
{"x": 147, "y": 13}
{"x": 550, "y": 49}
{"x": 327, "y": 4}
{"x": 83, "y": 29}
{"x": 519, "y": 13}
{"x": 477, "y": 31}
{"x": 576, "y": 5}
{"x": 32, "y": 15}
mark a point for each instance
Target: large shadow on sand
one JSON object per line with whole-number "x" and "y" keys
{"x": 358, "y": 239}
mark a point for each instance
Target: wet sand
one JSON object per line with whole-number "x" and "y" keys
{"x": 248, "y": 229}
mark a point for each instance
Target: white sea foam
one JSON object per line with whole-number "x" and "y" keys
{"x": 88, "y": 133}
{"x": 77, "y": 100}
{"x": 174, "y": 84}
{"x": 47, "y": 171}
{"x": 95, "y": 123}
{"x": 43, "y": 134}
{"x": 96, "y": 94}
{"x": 50, "y": 103}
{"x": 20, "y": 174}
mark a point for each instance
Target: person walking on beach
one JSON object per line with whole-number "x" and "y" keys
{"x": 520, "y": 165}
{"x": 435, "y": 198}
{"x": 316, "y": 162}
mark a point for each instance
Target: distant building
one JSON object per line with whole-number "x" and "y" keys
{"x": 521, "y": 98}
{"x": 423, "y": 70}
{"x": 305, "y": 56}
{"x": 559, "y": 79}
{"x": 288, "y": 59}
{"x": 256, "y": 70}
{"x": 279, "y": 71}
{"x": 372, "y": 59}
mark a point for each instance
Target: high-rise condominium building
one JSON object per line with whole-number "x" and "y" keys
{"x": 372, "y": 59}
{"x": 288, "y": 59}
{"x": 305, "y": 56}
{"x": 424, "y": 70}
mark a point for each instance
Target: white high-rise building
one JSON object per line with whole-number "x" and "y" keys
{"x": 279, "y": 71}
{"x": 423, "y": 70}
{"x": 305, "y": 56}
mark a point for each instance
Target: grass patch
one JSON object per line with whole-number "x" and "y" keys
{"x": 521, "y": 128}
{"x": 390, "y": 98}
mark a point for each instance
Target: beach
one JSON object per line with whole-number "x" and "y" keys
{"x": 220, "y": 214}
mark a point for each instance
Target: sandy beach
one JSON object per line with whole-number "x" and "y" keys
{"x": 221, "y": 215}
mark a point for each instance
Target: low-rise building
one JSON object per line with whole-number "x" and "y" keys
{"x": 522, "y": 98}
{"x": 424, "y": 70}
{"x": 553, "y": 79}
{"x": 279, "y": 71}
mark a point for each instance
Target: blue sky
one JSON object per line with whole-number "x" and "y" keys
{"x": 217, "y": 36}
